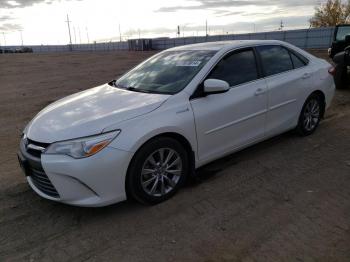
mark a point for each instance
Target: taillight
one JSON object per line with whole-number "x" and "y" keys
{"x": 332, "y": 71}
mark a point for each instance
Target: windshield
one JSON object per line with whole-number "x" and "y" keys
{"x": 342, "y": 33}
{"x": 166, "y": 73}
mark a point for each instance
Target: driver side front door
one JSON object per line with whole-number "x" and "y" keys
{"x": 225, "y": 122}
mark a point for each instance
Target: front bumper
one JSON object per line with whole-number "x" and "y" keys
{"x": 95, "y": 181}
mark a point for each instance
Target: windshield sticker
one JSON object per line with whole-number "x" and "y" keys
{"x": 189, "y": 63}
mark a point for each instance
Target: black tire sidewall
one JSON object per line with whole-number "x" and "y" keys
{"x": 340, "y": 78}
{"x": 133, "y": 181}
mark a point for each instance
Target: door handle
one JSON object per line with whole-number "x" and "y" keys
{"x": 260, "y": 91}
{"x": 306, "y": 76}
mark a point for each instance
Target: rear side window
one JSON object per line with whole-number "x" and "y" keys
{"x": 275, "y": 59}
{"x": 297, "y": 62}
{"x": 236, "y": 68}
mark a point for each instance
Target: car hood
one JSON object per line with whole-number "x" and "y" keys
{"x": 89, "y": 112}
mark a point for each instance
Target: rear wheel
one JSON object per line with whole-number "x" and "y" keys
{"x": 310, "y": 116}
{"x": 157, "y": 171}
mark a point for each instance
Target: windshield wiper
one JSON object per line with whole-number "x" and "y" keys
{"x": 134, "y": 89}
{"x": 131, "y": 88}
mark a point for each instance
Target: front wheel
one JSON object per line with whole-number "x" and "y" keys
{"x": 310, "y": 115}
{"x": 157, "y": 171}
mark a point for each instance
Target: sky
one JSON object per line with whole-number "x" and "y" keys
{"x": 44, "y": 21}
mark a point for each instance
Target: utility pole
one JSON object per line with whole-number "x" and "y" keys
{"x": 206, "y": 27}
{"x": 20, "y": 31}
{"x": 87, "y": 35}
{"x": 3, "y": 34}
{"x": 120, "y": 34}
{"x": 70, "y": 37}
{"x": 75, "y": 36}
{"x": 79, "y": 34}
{"x": 281, "y": 26}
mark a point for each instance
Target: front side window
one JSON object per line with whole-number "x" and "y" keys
{"x": 236, "y": 68}
{"x": 275, "y": 59}
{"x": 166, "y": 73}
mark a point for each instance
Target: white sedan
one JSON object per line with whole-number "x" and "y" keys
{"x": 142, "y": 135}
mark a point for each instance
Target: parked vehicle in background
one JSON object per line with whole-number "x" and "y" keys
{"x": 144, "y": 134}
{"x": 24, "y": 50}
{"x": 16, "y": 50}
{"x": 8, "y": 51}
{"x": 340, "y": 53}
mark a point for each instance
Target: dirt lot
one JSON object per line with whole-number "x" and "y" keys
{"x": 287, "y": 199}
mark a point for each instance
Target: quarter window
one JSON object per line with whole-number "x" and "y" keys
{"x": 275, "y": 59}
{"x": 297, "y": 62}
{"x": 236, "y": 68}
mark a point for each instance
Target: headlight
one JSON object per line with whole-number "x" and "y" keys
{"x": 82, "y": 147}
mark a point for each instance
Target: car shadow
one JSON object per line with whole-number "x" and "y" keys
{"x": 213, "y": 169}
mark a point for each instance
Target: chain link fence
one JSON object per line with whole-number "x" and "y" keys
{"x": 313, "y": 38}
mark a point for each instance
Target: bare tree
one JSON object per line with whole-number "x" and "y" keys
{"x": 331, "y": 13}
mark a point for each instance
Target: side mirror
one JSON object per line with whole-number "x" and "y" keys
{"x": 215, "y": 86}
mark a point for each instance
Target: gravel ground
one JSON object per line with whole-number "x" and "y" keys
{"x": 286, "y": 199}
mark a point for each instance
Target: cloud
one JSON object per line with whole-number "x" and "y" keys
{"x": 5, "y": 18}
{"x": 224, "y": 4}
{"x": 10, "y": 4}
{"x": 19, "y": 3}
{"x": 264, "y": 25}
{"x": 10, "y": 27}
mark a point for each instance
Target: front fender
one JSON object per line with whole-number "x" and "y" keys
{"x": 175, "y": 118}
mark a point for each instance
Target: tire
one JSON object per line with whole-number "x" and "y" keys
{"x": 340, "y": 78}
{"x": 310, "y": 115}
{"x": 152, "y": 179}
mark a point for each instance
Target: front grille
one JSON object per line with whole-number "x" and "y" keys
{"x": 34, "y": 152}
{"x": 43, "y": 183}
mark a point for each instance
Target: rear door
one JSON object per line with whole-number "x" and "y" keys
{"x": 288, "y": 78}
{"x": 233, "y": 119}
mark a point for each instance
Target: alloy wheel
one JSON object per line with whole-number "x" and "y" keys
{"x": 161, "y": 172}
{"x": 312, "y": 114}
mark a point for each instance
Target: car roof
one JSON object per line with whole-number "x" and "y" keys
{"x": 224, "y": 45}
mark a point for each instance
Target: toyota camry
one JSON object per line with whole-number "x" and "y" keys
{"x": 141, "y": 135}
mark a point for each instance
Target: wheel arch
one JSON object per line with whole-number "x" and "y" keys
{"x": 176, "y": 136}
